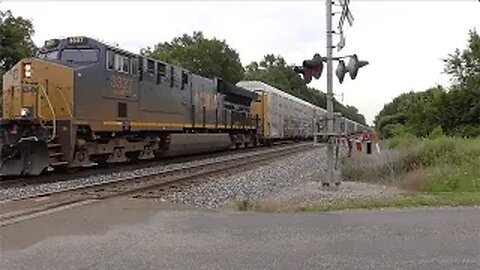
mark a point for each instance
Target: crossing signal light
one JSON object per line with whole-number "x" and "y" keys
{"x": 341, "y": 71}
{"x": 307, "y": 74}
{"x": 311, "y": 68}
{"x": 354, "y": 65}
{"x": 315, "y": 65}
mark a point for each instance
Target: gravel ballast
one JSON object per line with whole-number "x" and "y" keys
{"x": 293, "y": 179}
{"x": 29, "y": 191}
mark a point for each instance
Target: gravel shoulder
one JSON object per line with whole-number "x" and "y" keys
{"x": 310, "y": 192}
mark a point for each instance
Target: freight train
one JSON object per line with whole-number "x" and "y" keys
{"x": 81, "y": 102}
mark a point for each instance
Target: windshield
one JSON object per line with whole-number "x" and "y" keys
{"x": 80, "y": 55}
{"x": 49, "y": 55}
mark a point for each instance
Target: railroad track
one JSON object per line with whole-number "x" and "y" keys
{"x": 72, "y": 173}
{"x": 135, "y": 185}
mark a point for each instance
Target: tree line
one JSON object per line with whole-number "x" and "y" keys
{"x": 208, "y": 57}
{"x": 456, "y": 109}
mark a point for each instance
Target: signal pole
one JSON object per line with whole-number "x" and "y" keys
{"x": 330, "y": 129}
{"x": 314, "y": 67}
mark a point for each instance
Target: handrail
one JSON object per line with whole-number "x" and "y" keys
{"x": 54, "y": 116}
{"x": 66, "y": 102}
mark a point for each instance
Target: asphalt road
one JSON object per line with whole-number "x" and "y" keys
{"x": 135, "y": 234}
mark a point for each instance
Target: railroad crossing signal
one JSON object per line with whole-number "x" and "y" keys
{"x": 315, "y": 65}
{"x": 353, "y": 66}
{"x": 311, "y": 68}
{"x": 307, "y": 74}
{"x": 346, "y": 14}
{"x": 341, "y": 71}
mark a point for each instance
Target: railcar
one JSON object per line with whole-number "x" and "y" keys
{"x": 282, "y": 116}
{"x": 81, "y": 102}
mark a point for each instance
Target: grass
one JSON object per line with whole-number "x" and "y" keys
{"x": 407, "y": 201}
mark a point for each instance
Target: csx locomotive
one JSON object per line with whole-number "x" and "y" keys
{"x": 81, "y": 102}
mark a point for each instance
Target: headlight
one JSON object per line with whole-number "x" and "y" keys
{"x": 28, "y": 70}
{"x": 25, "y": 112}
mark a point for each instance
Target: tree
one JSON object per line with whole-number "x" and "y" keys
{"x": 455, "y": 111}
{"x": 463, "y": 100}
{"x": 15, "y": 42}
{"x": 419, "y": 113}
{"x": 206, "y": 57}
{"x": 464, "y": 66}
{"x": 274, "y": 70}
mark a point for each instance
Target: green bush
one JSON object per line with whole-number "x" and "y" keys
{"x": 436, "y": 133}
{"x": 402, "y": 141}
{"x": 446, "y": 178}
{"x": 446, "y": 150}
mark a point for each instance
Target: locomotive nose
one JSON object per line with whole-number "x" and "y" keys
{"x": 35, "y": 94}
{"x": 20, "y": 90}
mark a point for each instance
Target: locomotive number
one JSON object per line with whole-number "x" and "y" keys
{"x": 121, "y": 86}
{"x": 76, "y": 40}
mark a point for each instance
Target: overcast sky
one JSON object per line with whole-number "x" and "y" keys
{"x": 404, "y": 41}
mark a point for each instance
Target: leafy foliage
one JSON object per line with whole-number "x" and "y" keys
{"x": 464, "y": 66}
{"x": 275, "y": 71}
{"x": 456, "y": 110}
{"x": 206, "y": 57}
{"x": 15, "y": 42}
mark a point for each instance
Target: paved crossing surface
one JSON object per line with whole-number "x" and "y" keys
{"x": 139, "y": 234}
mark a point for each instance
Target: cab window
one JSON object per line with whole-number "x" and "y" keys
{"x": 161, "y": 72}
{"x": 110, "y": 60}
{"x": 120, "y": 63}
{"x": 79, "y": 55}
{"x": 126, "y": 64}
{"x": 49, "y": 55}
{"x": 133, "y": 66}
{"x": 184, "y": 79}
{"x": 150, "y": 66}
